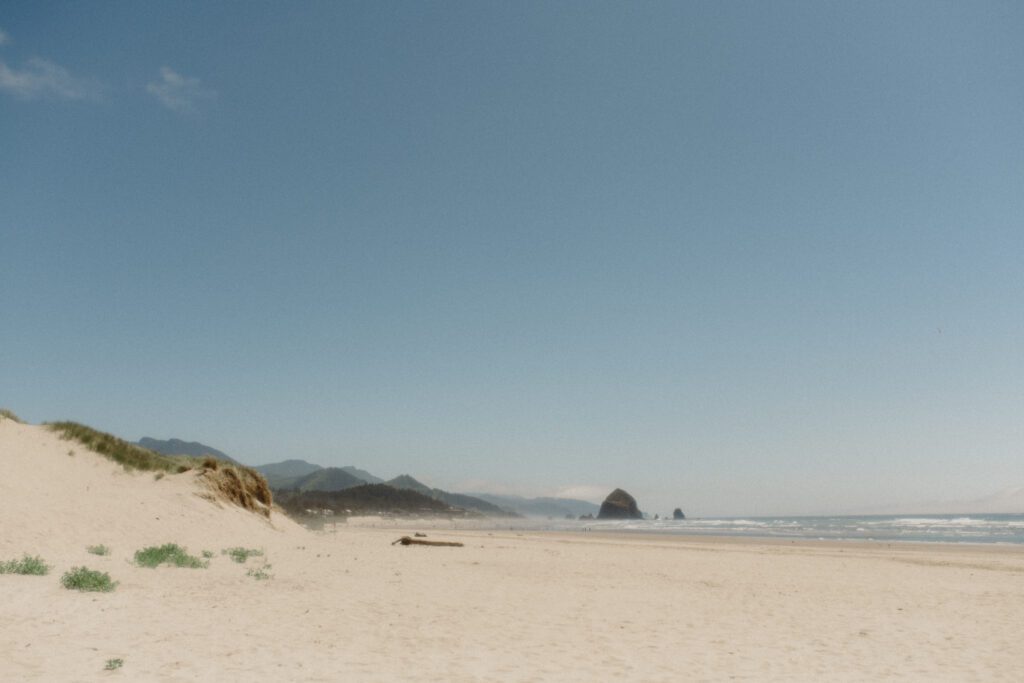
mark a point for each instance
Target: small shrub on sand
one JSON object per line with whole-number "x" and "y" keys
{"x": 168, "y": 553}
{"x": 207, "y": 554}
{"x": 260, "y": 574}
{"x": 4, "y": 413}
{"x": 29, "y": 566}
{"x": 98, "y": 549}
{"x": 240, "y": 555}
{"x": 114, "y": 664}
{"x": 84, "y": 579}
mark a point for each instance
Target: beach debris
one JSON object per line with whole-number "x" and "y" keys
{"x": 419, "y": 535}
{"x": 408, "y": 540}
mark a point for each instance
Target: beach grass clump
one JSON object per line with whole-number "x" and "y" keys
{"x": 260, "y": 574}
{"x": 98, "y": 549}
{"x": 4, "y": 413}
{"x": 168, "y": 553}
{"x": 207, "y": 554}
{"x": 27, "y": 566}
{"x": 240, "y": 555}
{"x": 113, "y": 664}
{"x": 243, "y": 486}
{"x": 87, "y": 580}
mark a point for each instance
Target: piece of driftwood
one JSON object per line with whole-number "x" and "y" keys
{"x": 406, "y": 540}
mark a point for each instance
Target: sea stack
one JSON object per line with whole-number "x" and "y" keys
{"x": 619, "y": 505}
{"x": 678, "y": 514}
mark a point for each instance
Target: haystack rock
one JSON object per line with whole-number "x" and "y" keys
{"x": 619, "y": 505}
{"x": 678, "y": 514}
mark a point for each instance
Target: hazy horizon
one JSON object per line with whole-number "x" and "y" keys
{"x": 741, "y": 258}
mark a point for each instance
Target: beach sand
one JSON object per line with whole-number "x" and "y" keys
{"x": 346, "y": 605}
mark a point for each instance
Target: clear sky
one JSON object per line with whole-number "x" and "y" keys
{"x": 740, "y": 257}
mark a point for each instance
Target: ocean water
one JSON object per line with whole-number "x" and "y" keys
{"x": 953, "y": 528}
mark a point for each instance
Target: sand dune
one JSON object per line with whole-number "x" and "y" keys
{"x": 506, "y": 607}
{"x": 57, "y": 494}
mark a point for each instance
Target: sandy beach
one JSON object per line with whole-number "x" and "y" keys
{"x": 345, "y": 604}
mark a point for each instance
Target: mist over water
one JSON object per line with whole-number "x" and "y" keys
{"x": 953, "y": 528}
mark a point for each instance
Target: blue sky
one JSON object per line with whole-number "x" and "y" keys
{"x": 740, "y": 257}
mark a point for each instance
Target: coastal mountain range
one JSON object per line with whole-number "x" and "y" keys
{"x": 541, "y": 507}
{"x": 179, "y": 447}
{"x": 295, "y": 475}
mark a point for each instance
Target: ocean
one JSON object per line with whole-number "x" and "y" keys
{"x": 952, "y": 528}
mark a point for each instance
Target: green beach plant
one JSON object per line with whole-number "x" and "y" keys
{"x": 240, "y": 555}
{"x": 27, "y": 565}
{"x": 168, "y": 553}
{"x": 260, "y": 574}
{"x": 4, "y": 413}
{"x": 98, "y": 549}
{"x": 113, "y": 664}
{"x": 88, "y": 580}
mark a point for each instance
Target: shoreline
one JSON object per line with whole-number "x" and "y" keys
{"x": 738, "y": 543}
{"x": 495, "y": 525}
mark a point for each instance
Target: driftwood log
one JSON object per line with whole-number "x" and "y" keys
{"x": 406, "y": 540}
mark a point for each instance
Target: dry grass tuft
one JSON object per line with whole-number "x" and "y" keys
{"x": 10, "y": 416}
{"x": 257, "y": 484}
{"x": 241, "y": 486}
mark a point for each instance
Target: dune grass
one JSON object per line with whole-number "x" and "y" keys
{"x": 128, "y": 455}
{"x": 98, "y": 549}
{"x": 168, "y": 553}
{"x": 240, "y": 555}
{"x": 242, "y": 486}
{"x": 87, "y": 580}
{"x": 27, "y": 566}
{"x": 10, "y": 416}
{"x": 113, "y": 664}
